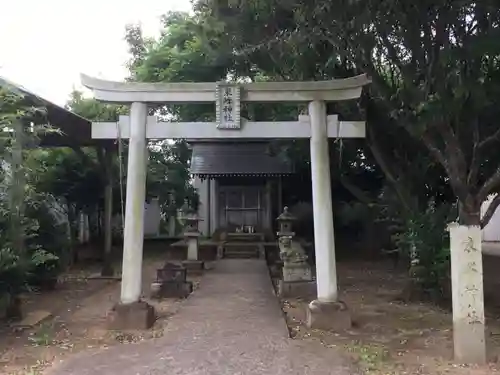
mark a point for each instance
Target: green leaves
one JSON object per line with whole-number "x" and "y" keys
{"x": 93, "y": 110}
{"x": 21, "y": 250}
{"x": 168, "y": 176}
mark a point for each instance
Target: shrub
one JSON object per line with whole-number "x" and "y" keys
{"x": 424, "y": 239}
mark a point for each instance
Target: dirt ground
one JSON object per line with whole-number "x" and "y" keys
{"x": 79, "y": 307}
{"x": 390, "y": 337}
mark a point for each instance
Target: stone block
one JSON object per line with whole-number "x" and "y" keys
{"x": 333, "y": 316}
{"x": 193, "y": 265}
{"x": 171, "y": 272}
{"x": 32, "y": 319}
{"x": 137, "y": 315}
{"x": 287, "y": 289}
{"x": 172, "y": 290}
{"x": 300, "y": 273}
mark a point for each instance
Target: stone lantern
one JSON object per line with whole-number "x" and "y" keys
{"x": 189, "y": 219}
{"x": 297, "y": 278}
{"x": 285, "y": 221}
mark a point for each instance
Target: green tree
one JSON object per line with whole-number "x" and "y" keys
{"x": 185, "y": 52}
{"x": 435, "y": 71}
{"x": 432, "y": 108}
{"x": 22, "y": 250}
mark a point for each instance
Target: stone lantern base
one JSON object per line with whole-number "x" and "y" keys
{"x": 137, "y": 315}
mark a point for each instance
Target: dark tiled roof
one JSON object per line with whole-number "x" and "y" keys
{"x": 74, "y": 129}
{"x": 236, "y": 159}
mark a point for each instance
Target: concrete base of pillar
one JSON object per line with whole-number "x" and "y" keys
{"x": 287, "y": 289}
{"x": 333, "y": 316}
{"x": 137, "y": 315}
{"x": 193, "y": 265}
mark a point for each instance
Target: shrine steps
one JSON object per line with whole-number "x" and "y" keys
{"x": 237, "y": 250}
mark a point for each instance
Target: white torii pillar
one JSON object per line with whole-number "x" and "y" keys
{"x": 326, "y": 311}
{"x": 132, "y": 312}
{"x": 133, "y": 237}
{"x": 324, "y": 240}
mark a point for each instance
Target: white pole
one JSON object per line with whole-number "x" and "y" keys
{"x": 324, "y": 243}
{"x": 134, "y": 210}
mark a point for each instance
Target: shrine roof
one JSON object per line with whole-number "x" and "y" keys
{"x": 219, "y": 159}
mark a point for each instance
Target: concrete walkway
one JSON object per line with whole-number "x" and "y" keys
{"x": 231, "y": 325}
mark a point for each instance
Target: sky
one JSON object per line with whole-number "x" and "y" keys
{"x": 46, "y": 44}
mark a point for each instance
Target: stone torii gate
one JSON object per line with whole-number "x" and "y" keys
{"x": 317, "y": 126}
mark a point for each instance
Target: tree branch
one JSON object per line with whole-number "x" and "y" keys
{"x": 434, "y": 150}
{"x": 375, "y": 149}
{"x": 358, "y": 193}
{"x": 79, "y": 151}
{"x": 456, "y": 156}
{"x": 491, "y": 139}
{"x": 474, "y": 165}
{"x": 489, "y": 186}
{"x": 490, "y": 211}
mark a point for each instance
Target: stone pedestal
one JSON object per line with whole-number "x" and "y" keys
{"x": 171, "y": 289}
{"x": 299, "y": 271}
{"x": 136, "y": 315}
{"x": 288, "y": 289}
{"x": 333, "y": 316}
{"x": 297, "y": 280}
{"x": 193, "y": 265}
{"x": 467, "y": 294}
{"x": 171, "y": 282}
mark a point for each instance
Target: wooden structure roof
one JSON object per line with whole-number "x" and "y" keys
{"x": 74, "y": 129}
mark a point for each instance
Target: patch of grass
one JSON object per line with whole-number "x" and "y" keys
{"x": 34, "y": 370}
{"x": 43, "y": 336}
{"x": 371, "y": 358}
{"x": 157, "y": 333}
{"x": 126, "y": 337}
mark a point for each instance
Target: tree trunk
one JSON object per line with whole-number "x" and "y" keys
{"x": 469, "y": 211}
{"x": 14, "y": 308}
{"x": 107, "y": 267}
{"x": 73, "y": 226}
